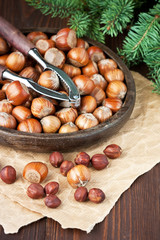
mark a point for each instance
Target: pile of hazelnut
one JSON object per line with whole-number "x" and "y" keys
{"x": 78, "y": 175}
{"x": 97, "y": 77}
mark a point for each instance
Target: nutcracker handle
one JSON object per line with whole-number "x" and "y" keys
{"x": 2, "y": 69}
{"x": 15, "y": 37}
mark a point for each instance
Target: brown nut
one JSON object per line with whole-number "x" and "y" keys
{"x": 35, "y": 172}
{"x": 113, "y": 151}
{"x": 50, "y": 124}
{"x": 4, "y": 47}
{"x": 52, "y": 201}
{"x": 35, "y": 191}
{"x": 8, "y": 174}
{"x": 31, "y": 125}
{"x": 15, "y": 61}
{"x": 17, "y": 93}
{"x": 66, "y": 39}
{"x": 56, "y": 158}
{"x": 7, "y": 120}
{"x": 99, "y": 161}
{"x": 65, "y": 167}
{"x": 82, "y": 158}
{"x": 96, "y": 195}
{"x": 35, "y": 36}
{"x": 78, "y": 176}
{"x": 114, "y": 104}
{"x": 2, "y": 94}
{"x": 81, "y": 194}
{"x": 51, "y": 188}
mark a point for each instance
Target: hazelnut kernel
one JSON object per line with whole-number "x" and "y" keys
{"x": 81, "y": 194}
{"x": 51, "y": 188}
{"x": 35, "y": 191}
{"x": 96, "y": 195}
{"x": 99, "y": 161}
{"x": 113, "y": 151}
{"x": 65, "y": 167}
{"x": 56, "y": 158}
{"x": 82, "y": 158}
{"x": 52, "y": 201}
{"x": 8, "y": 174}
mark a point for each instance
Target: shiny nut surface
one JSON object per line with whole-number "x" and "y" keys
{"x": 113, "y": 151}
{"x": 78, "y": 176}
{"x": 82, "y": 158}
{"x": 51, "y": 188}
{"x": 56, "y": 158}
{"x": 52, "y": 201}
{"x": 8, "y": 174}
{"x": 35, "y": 172}
{"x": 35, "y": 191}
{"x": 96, "y": 195}
{"x": 65, "y": 167}
{"x": 81, "y": 194}
{"x": 99, "y": 161}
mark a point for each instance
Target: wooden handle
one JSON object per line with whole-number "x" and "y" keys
{"x": 2, "y": 68}
{"x": 15, "y": 37}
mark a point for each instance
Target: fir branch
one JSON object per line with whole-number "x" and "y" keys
{"x": 95, "y": 7}
{"x": 56, "y": 8}
{"x": 141, "y": 36}
{"x": 116, "y": 16}
{"x": 152, "y": 60}
{"x": 143, "y": 44}
{"x": 80, "y": 22}
{"x": 95, "y": 31}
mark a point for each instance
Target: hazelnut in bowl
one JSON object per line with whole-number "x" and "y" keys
{"x": 32, "y": 121}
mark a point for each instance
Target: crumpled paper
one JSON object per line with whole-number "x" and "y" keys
{"x": 13, "y": 216}
{"x": 140, "y": 141}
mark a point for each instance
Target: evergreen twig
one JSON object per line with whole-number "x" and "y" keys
{"x": 116, "y": 16}
{"x": 143, "y": 44}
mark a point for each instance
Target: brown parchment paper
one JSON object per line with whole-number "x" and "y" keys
{"x": 140, "y": 141}
{"x": 13, "y": 216}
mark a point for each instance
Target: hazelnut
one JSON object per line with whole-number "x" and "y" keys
{"x": 65, "y": 167}
{"x": 31, "y": 125}
{"x": 52, "y": 201}
{"x": 35, "y": 191}
{"x": 7, "y": 120}
{"x": 51, "y": 188}
{"x": 81, "y": 194}
{"x": 113, "y": 151}
{"x": 8, "y": 174}
{"x": 35, "y": 172}
{"x": 82, "y": 158}
{"x": 78, "y": 176}
{"x": 96, "y": 195}
{"x": 99, "y": 161}
{"x": 68, "y": 128}
{"x": 56, "y": 158}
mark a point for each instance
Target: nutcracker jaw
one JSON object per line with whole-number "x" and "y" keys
{"x": 73, "y": 97}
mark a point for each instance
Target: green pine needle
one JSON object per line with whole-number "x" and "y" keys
{"x": 80, "y": 22}
{"x": 152, "y": 60}
{"x": 141, "y": 36}
{"x": 116, "y": 16}
{"x": 95, "y": 31}
{"x": 95, "y": 7}
{"x": 143, "y": 44}
{"x": 63, "y": 9}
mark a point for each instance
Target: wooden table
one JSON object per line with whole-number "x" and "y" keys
{"x": 136, "y": 215}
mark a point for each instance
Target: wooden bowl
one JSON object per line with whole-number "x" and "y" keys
{"x": 43, "y": 142}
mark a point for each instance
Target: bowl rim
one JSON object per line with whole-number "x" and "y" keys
{"x": 126, "y": 109}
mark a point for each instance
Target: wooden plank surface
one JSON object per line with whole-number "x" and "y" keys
{"x": 136, "y": 215}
